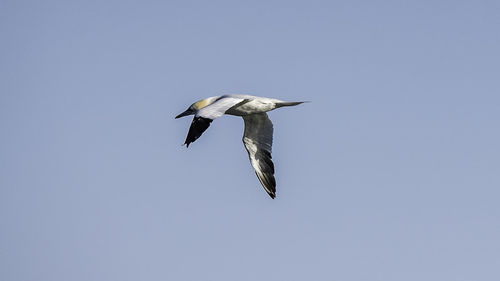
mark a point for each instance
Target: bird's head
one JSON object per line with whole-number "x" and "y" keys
{"x": 189, "y": 111}
{"x": 192, "y": 109}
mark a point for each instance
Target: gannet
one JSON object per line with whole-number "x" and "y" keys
{"x": 258, "y": 134}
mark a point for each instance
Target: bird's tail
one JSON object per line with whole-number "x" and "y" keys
{"x": 292, "y": 103}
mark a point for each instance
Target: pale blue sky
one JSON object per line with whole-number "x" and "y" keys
{"x": 392, "y": 172}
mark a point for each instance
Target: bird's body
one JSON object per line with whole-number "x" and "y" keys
{"x": 258, "y": 135}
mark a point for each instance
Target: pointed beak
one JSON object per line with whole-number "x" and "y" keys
{"x": 185, "y": 113}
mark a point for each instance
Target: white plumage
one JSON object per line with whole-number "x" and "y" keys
{"x": 258, "y": 135}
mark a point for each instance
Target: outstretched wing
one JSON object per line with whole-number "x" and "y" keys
{"x": 220, "y": 106}
{"x": 207, "y": 114}
{"x": 258, "y": 140}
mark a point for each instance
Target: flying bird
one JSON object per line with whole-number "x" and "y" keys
{"x": 258, "y": 134}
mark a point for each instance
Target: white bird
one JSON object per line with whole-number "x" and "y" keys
{"x": 258, "y": 135}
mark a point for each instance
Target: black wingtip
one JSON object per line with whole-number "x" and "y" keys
{"x": 198, "y": 126}
{"x": 272, "y": 195}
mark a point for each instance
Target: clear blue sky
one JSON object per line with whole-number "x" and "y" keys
{"x": 391, "y": 173}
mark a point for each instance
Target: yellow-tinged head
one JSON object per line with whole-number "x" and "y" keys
{"x": 192, "y": 109}
{"x": 200, "y": 104}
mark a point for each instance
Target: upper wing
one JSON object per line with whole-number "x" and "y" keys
{"x": 258, "y": 140}
{"x": 207, "y": 114}
{"x": 219, "y": 107}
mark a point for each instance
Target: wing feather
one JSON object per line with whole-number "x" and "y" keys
{"x": 219, "y": 107}
{"x": 198, "y": 126}
{"x": 258, "y": 141}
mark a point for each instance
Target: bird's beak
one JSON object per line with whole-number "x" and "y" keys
{"x": 185, "y": 113}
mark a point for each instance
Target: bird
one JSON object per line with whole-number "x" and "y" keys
{"x": 258, "y": 133}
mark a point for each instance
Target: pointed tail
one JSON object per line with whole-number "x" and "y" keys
{"x": 281, "y": 104}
